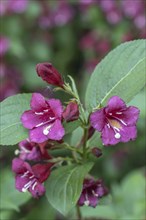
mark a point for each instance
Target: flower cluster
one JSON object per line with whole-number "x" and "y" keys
{"x": 45, "y": 122}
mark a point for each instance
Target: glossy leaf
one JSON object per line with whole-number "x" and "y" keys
{"x": 64, "y": 186}
{"x": 71, "y": 126}
{"x": 11, "y": 199}
{"x": 121, "y": 72}
{"x": 12, "y": 108}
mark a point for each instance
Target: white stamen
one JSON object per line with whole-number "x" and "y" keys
{"x": 25, "y": 150}
{"x": 26, "y": 186}
{"x": 117, "y": 135}
{"x": 43, "y": 123}
{"x": 120, "y": 120}
{"x": 52, "y": 118}
{"x": 39, "y": 113}
{"x": 123, "y": 122}
{"x": 108, "y": 125}
{"x": 47, "y": 130}
{"x": 46, "y": 110}
{"x": 110, "y": 113}
{"x": 24, "y": 190}
{"x": 87, "y": 202}
{"x": 31, "y": 177}
{"x": 116, "y": 129}
{"x": 119, "y": 113}
{"x": 25, "y": 174}
{"x": 16, "y": 152}
{"x": 40, "y": 124}
{"x": 95, "y": 194}
{"x": 34, "y": 185}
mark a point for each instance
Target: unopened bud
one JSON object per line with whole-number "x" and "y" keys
{"x": 97, "y": 152}
{"x": 49, "y": 74}
{"x": 71, "y": 112}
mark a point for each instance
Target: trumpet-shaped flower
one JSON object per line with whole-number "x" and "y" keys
{"x": 116, "y": 121}
{"x": 44, "y": 119}
{"x": 30, "y": 178}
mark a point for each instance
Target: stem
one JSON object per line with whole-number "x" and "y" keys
{"x": 85, "y": 143}
{"x": 79, "y": 216}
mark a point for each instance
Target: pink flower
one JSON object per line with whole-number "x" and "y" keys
{"x": 4, "y": 45}
{"x": 116, "y": 121}
{"x": 30, "y": 178}
{"x": 49, "y": 74}
{"x": 91, "y": 193}
{"x": 31, "y": 151}
{"x": 44, "y": 119}
{"x": 71, "y": 112}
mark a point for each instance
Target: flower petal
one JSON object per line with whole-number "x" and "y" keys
{"x": 128, "y": 133}
{"x": 115, "y": 103}
{"x": 130, "y": 115}
{"x": 108, "y": 136}
{"x": 19, "y": 166}
{"x": 38, "y": 102}
{"x": 30, "y": 120}
{"x": 97, "y": 119}
{"x": 37, "y": 189}
{"x": 20, "y": 182}
{"x": 93, "y": 200}
{"x": 81, "y": 199}
{"x": 42, "y": 171}
{"x": 56, "y": 107}
{"x": 36, "y": 135}
{"x": 56, "y": 131}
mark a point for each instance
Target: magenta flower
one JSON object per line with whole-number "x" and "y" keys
{"x": 17, "y": 6}
{"x": 71, "y": 112}
{"x": 49, "y": 74}
{"x": 30, "y": 178}
{"x": 91, "y": 193}
{"x": 116, "y": 121}
{"x": 44, "y": 119}
{"x": 31, "y": 151}
{"x": 4, "y": 45}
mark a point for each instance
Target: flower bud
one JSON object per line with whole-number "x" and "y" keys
{"x": 49, "y": 74}
{"x": 97, "y": 152}
{"x": 71, "y": 112}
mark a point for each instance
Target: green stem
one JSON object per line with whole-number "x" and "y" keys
{"x": 79, "y": 216}
{"x": 85, "y": 143}
{"x": 59, "y": 159}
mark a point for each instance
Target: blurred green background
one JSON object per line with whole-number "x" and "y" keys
{"x": 74, "y": 35}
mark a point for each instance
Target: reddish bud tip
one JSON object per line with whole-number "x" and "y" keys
{"x": 71, "y": 112}
{"x": 97, "y": 152}
{"x": 49, "y": 74}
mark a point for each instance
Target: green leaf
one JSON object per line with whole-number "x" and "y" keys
{"x": 11, "y": 128}
{"x": 121, "y": 73}
{"x": 101, "y": 211}
{"x": 129, "y": 196}
{"x": 64, "y": 186}
{"x": 76, "y": 136}
{"x": 95, "y": 140}
{"x": 71, "y": 126}
{"x": 11, "y": 199}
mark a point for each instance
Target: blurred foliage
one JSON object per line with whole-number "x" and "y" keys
{"x": 74, "y": 36}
